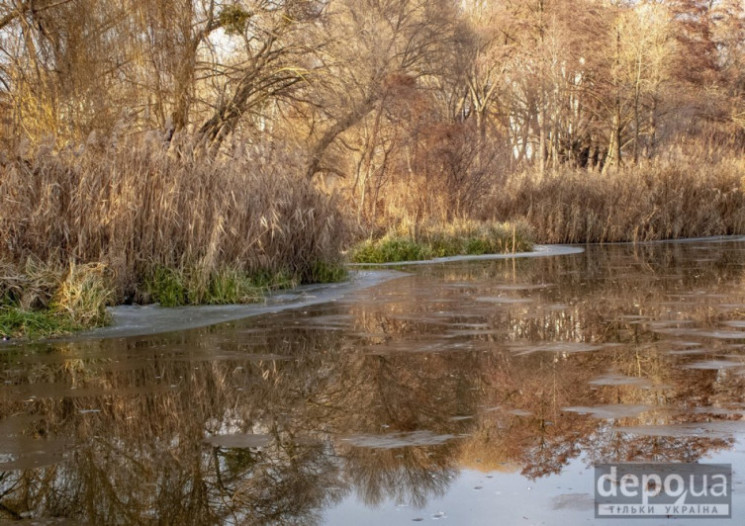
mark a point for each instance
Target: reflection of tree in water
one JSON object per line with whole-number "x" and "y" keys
{"x": 288, "y": 482}
{"x": 596, "y": 304}
{"x": 410, "y": 474}
{"x": 398, "y": 393}
{"x": 142, "y": 455}
{"x": 484, "y": 361}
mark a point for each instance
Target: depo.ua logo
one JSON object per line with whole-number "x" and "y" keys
{"x": 663, "y": 490}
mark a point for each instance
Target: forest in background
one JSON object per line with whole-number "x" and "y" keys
{"x": 209, "y": 138}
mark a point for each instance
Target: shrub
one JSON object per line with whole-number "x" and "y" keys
{"x": 84, "y": 294}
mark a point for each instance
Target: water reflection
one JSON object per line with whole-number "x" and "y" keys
{"x": 618, "y": 354}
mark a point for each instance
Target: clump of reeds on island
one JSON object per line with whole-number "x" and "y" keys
{"x": 87, "y": 227}
{"x": 410, "y": 241}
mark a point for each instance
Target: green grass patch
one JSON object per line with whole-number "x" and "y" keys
{"x": 326, "y": 272}
{"x": 40, "y": 300}
{"x": 391, "y": 249}
{"x": 75, "y": 299}
{"x": 167, "y": 286}
{"x": 234, "y": 286}
{"x": 173, "y": 287}
{"x": 19, "y": 323}
{"x": 454, "y": 239}
{"x": 178, "y": 287}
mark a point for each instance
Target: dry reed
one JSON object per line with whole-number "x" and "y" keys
{"x": 649, "y": 202}
{"x": 135, "y": 206}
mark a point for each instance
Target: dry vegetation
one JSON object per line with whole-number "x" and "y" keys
{"x": 646, "y": 203}
{"x": 83, "y": 228}
{"x": 589, "y": 120}
{"x": 135, "y": 204}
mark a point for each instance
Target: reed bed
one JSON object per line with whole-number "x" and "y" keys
{"x": 644, "y": 203}
{"x": 99, "y": 223}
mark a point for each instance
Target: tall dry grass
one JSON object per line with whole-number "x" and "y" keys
{"x": 135, "y": 206}
{"x": 644, "y": 203}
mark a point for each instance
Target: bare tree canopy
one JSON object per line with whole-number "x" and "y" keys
{"x": 373, "y": 93}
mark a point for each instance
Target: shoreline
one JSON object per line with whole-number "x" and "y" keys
{"x": 145, "y": 320}
{"x": 538, "y": 251}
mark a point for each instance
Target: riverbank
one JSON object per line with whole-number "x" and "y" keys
{"x": 140, "y": 320}
{"x": 133, "y": 222}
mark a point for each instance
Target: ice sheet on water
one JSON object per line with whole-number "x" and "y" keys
{"x": 619, "y": 379}
{"x": 574, "y": 501}
{"x": 721, "y": 429}
{"x": 611, "y": 411}
{"x": 524, "y": 286}
{"x": 239, "y": 441}
{"x": 136, "y": 320}
{"x": 538, "y": 251}
{"x": 398, "y": 440}
{"x": 713, "y": 365}
{"x": 557, "y": 347}
{"x": 702, "y": 333}
{"x": 505, "y": 300}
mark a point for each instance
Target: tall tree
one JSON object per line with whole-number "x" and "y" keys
{"x": 372, "y": 44}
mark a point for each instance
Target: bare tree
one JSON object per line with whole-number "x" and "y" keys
{"x": 371, "y": 44}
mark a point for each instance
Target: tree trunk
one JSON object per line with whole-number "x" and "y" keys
{"x": 652, "y": 129}
{"x": 343, "y": 124}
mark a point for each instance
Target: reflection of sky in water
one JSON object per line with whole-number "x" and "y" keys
{"x": 472, "y": 392}
{"x": 495, "y": 498}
